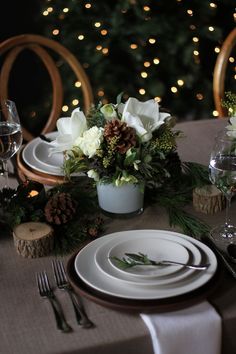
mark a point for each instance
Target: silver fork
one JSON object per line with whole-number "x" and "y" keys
{"x": 63, "y": 284}
{"x": 45, "y": 291}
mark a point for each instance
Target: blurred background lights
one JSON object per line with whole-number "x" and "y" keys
{"x": 81, "y": 37}
{"x": 77, "y": 84}
{"x": 65, "y": 108}
{"x": 55, "y": 32}
{"x": 156, "y": 61}
{"x": 142, "y": 91}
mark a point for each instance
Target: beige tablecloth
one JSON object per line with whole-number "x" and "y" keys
{"x": 26, "y": 322}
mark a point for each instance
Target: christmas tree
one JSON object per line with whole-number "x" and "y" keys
{"x": 147, "y": 49}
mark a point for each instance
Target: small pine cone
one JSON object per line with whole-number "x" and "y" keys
{"x": 60, "y": 208}
{"x": 125, "y": 136}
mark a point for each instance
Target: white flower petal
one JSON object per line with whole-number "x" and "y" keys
{"x": 63, "y": 125}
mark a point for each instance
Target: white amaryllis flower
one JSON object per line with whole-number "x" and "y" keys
{"x": 144, "y": 117}
{"x": 90, "y": 141}
{"x": 231, "y": 127}
{"x": 69, "y": 129}
{"x": 109, "y": 111}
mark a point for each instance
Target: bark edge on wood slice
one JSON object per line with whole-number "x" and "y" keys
{"x": 208, "y": 199}
{"x": 33, "y": 239}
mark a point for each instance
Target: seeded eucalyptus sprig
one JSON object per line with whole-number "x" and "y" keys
{"x": 134, "y": 259}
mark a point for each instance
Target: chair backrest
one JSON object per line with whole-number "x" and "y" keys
{"x": 12, "y": 47}
{"x": 219, "y": 74}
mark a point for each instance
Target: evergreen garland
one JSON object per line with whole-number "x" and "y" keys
{"x": 87, "y": 222}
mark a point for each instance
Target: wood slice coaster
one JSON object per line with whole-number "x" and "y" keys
{"x": 33, "y": 239}
{"x": 208, "y": 199}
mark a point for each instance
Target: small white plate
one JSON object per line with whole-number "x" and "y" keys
{"x": 31, "y": 161}
{"x": 41, "y": 153}
{"x": 155, "y": 248}
{"x": 102, "y": 262}
{"x": 88, "y": 272}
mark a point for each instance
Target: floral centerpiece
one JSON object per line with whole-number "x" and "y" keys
{"x": 119, "y": 144}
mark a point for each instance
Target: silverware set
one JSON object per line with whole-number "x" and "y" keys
{"x": 46, "y": 291}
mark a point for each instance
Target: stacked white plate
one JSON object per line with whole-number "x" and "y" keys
{"x": 36, "y": 155}
{"x": 96, "y": 267}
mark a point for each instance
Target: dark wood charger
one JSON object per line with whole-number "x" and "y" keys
{"x": 26, "y": 172}
{"x": 158, "y": 305}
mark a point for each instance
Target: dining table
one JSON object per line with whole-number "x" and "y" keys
{"x": 26, "y": 320}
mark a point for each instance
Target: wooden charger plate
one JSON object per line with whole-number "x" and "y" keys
{"x": 159, "y": 305}
{"x": 28, "y": 172}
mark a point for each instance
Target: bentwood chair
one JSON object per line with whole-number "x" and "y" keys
{"x": 219, "y": 75}
{"x": 45, "y": 49}
{"x": 53, "y": 56}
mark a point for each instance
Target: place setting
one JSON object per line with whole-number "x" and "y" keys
{"x": 142, "y": 270}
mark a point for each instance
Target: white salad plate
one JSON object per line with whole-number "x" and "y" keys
{"x": 29, "y": 157}
{"x": 88, "y": 271}
{"x": 103, "y": 263}
{"x": 155, "y": 248}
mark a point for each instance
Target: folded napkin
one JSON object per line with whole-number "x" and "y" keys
{"x": 194, "y": 330}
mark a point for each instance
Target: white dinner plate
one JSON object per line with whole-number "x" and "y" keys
{"x": 30, "y": 160}
{"x": 102, "y": 262}
{"x": 155, "y": 248}
{"x": 87, "y": 270}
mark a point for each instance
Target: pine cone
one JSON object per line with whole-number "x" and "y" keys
{"x": 124, "y": 136}
{"x": 60, "y": 208}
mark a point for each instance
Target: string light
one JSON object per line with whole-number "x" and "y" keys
{"x": 66, "y": 9}
{"x": 174, "y": 89}
{"x": 157, "y": 99}
{"x": 215, "y": 113}
{"x": 97, "y": 24}
{"x": 213, "y": 5}
{"x": 100, "y": 93}
{"x": 55, "y": 32}
{"x": 231, "y": 60}
{"x": 211, "y": 28}
{"x": 65, "y": 108}
{"x": 103, "y": 32}
{"x": 180, "y": 82}
{"x": 133, "y": 46}
{"x": 88, "y": 6}
{"x": 152, "y": 40}
{"x": 142, "y": 91}
{"x": 147, "y": 64}
{"x": 75, "y": 102}
{"x": 217, "y": 50}
{"x": 144, "y": 75}
{"x": 77, "y": 84}
{"x": 156, "y": 61}
{"x": 80, "y": 37}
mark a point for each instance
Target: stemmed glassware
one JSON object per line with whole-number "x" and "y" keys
{"x": 10, "y": 134}
{"x": 222, "y": 171}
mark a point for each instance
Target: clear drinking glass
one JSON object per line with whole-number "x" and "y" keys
{"x": 222, "y": 172}
{"x": 10, "y": 134}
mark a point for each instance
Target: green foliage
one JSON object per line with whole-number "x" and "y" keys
{"x": 168, "y": 23}
{"x": 229, "y": 102}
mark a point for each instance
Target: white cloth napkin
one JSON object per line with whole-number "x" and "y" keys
{"x": 194, "y": 330}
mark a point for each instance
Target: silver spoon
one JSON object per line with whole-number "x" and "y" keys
{"x": 191, "y": 266}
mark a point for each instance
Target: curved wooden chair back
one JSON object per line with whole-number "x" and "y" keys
{"x": 220, "y": 72}
{"x": 13, "y": 46}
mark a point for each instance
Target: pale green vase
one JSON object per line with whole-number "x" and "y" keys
{"x": 124, "y": 200}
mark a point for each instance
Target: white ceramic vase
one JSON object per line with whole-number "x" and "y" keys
{"x": 124, "y": 200}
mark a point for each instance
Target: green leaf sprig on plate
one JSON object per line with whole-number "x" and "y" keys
{"x": 134, "y": 259}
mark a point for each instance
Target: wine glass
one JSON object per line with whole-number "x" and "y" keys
{"x": 10, "y": 134}
{"x": 222, "y": 171}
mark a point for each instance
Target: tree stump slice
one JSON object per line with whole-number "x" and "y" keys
{"x": 208, "y": 199}
{"x": 33, "y": 239}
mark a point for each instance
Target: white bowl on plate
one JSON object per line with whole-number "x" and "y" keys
{"x": 156, "y": 249}
{"x": 41, "y": 153}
